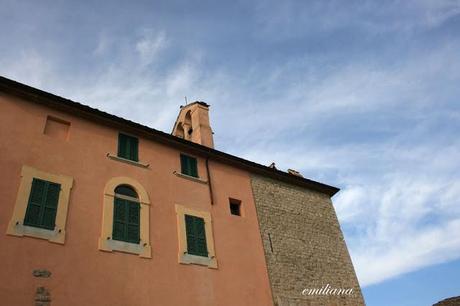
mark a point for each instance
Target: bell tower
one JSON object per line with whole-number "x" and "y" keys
{"x": 193, "y": 124}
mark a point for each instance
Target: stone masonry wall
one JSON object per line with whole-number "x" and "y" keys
{"x": 453, "y": 301}
{"x": 304, "y": 245}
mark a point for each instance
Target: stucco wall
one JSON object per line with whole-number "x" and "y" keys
{"x": 84, "y": 275}
{"x": 307, "y": 249}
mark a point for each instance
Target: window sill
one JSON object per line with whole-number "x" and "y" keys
{"x": 188, "y": 259}
{"x": 127, "y": 161}
{"x": 56, "y": 236}
{"x": 191, "y": 178}
{"x": 110, "y": 245}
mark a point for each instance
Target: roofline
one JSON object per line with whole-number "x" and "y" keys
{"x": 196, "y": 102}
{"x": 66, "y": 105}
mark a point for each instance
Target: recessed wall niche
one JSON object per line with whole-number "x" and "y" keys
{"x": 57, "y": 128}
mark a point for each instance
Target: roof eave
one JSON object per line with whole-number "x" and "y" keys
{"x": 66, "y": 105}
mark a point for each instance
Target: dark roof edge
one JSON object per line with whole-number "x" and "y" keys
{"x": 66, "y": 105}
{"x": 197, "y": 102}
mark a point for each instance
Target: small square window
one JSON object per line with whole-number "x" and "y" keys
{"x": 235, "y": 207}
{"x": 188, "y": 165}
{"x": 128, "y": 147}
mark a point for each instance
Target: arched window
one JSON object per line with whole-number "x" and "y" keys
{"x": 125, "y": 217}
{"x": 126, "y": 191}
{"x": 188, "y": 118}
{"x": 180, "y": 131}
{"x": 126, "y": 214}
{"x": 187, "y": 126}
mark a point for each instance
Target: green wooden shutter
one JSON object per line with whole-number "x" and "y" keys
{"x": 122, "y": 146}
{"x": 193, "y": 167}
{"x": 134, "y": 148}
{"x": 196, "y": 236}
{"x": 188, "y": 165}
{"x": 183, "y": 164}
{"x": 42, "y": 206}
{"x": 133, "y": 222}
{"x": 190, "y": 231}
{"x": 200, "y": 237}
{"x": 128, "y": 147}
{"x": 119, "y": 216}
{"x": 126, "y": 220}
{"x": 36, "y": 199}
{"x": 50, "y": 205}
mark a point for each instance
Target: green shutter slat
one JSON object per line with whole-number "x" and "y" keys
{"x": 183, "y": 164}
{"x": 32, "y": 215}
{"x": 193, "y": 167}
{"x": 127, "y": 147}
{"x": 133, "y": 212}
{"x": 52, "y": 196}
{"x": 200, "y": 237}
{"x": 37, "y": 191}
{"x": 49, "y": 218}
{"x": 189, "y": 224}
{"x": 132, "y": 233}
{"x": 133, "y": 222}
{"x": 118, "y": 232}
{"x": 199, "y": 227}
{"x": 36, "y": 198}
{"x": 119, "y": 210}
{"x": 50, "y": 205}
{"x": 201, "y": 247}
{"x": 189, "y": 230}
{"x": 134, "y": 149}
{"x": 122, "y": 144}
{"x": 188, "y": 165}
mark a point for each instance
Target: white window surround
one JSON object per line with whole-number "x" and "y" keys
{"x": 16, "y": 225}
{"x": 106, "y": 243}
{"x": 183, "y": 256}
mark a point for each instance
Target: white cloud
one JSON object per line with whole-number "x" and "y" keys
{"x": 103, "y": 45}
{"x": 29, "y": 66}
{"x": 150, "y": 45}
{"x": 435, "y": 12}
{"x": 400, "y": 193}
{"x": 288, "y": 19}
{"x": 181, "y": 79}
{"x": 375, "y": 263}
{"x": 125, "y": 80}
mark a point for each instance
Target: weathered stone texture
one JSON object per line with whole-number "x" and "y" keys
{"x": 307, "y": 248}
{"x": 42, "y": 297}
{"x": 453, "y": 301}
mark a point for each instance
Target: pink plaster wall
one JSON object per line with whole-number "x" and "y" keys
{"x": 84, "y": 275}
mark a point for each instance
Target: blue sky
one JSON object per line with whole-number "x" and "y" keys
{"x": 363, "y": 95}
